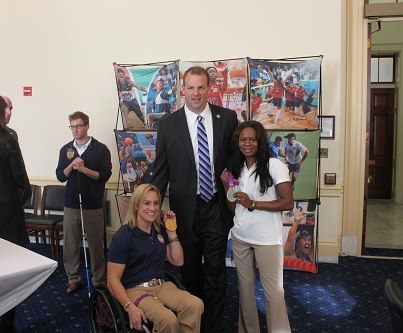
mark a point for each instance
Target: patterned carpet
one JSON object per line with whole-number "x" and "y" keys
{"x": 344, "y": 297}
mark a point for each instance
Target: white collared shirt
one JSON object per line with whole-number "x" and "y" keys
{"x": 191, "y": 119}
{"x": 81, "y": 148}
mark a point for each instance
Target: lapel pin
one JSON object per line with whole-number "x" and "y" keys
{"x": 218, "y": 116}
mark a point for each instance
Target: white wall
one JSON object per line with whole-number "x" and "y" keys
{"x": 65, "y": 50}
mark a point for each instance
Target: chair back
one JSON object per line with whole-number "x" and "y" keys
{"x": 394, "y": 298}
{"x": 53, "y": 198}
{"x": 31, "y": 203}
{"x": 123, "y": 205}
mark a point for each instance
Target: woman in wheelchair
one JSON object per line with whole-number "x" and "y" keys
{"x": 136, "y": 260}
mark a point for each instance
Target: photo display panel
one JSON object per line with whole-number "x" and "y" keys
{"x": 136, "y": 152}
{"x": 146, "y": 93}
{"x": 285, "y": 94}
{"x": 228, "y": 84}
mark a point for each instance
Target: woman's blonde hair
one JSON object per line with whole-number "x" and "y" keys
{"x": 134, "y": 204}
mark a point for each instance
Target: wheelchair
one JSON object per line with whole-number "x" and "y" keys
{"x": 108, "y": 316}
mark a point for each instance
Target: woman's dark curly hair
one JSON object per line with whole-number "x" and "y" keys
{"x": 262, "y": 155}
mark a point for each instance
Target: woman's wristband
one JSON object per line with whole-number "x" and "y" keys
{"x": 127, "y": 305}
{"x": 171, "y": 240}
{"x": 252, "y": 208}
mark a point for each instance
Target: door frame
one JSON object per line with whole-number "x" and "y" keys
{"x": 396, "y": 49}
{"x": 355, "y": 117}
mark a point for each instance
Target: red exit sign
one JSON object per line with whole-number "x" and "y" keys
{"x": 27, "y": 91}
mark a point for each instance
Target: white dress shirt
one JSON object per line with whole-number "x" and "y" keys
{"x": 191, "y": 119}
{"x": 81, "y": 148}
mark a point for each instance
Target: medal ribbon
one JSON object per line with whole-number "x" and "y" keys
{"x": 232, "y": 182}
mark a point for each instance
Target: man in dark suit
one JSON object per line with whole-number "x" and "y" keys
{"x": 203, "y": 219}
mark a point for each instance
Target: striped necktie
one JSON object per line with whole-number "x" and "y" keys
{"x": 205, "y": 177}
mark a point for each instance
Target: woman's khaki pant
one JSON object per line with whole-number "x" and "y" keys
{"x": 167, "y": 298}
{"x": 269, "y": 259}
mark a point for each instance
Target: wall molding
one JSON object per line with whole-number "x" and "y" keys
{"x": 331, "y": 191}
{"x": 325, "y": 190}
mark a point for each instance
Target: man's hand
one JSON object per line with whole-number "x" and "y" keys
{"x": 78, "y": 164}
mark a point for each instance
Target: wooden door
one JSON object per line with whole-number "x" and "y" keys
{"x": 381, "y": 144}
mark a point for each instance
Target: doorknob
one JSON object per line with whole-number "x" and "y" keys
{"x": 369, "y": 179}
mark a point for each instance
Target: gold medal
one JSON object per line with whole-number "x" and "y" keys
{"x": 170, "y": 224}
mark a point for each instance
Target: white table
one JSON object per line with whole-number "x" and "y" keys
{"x": 21, "y": 273}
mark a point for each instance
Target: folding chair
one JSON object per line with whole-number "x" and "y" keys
{"x": 43, "y": 225}
{"x": 32, "y": 203}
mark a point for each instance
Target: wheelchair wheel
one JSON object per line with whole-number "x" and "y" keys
{"x": 175, "y": 280}
{"x": 105, "y": 314}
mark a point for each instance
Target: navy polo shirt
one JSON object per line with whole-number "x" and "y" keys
{"x": 143, "y": 254}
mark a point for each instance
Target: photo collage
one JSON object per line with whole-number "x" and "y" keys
{"x": 283, "y": 95}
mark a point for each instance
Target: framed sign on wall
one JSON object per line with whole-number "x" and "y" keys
{"x": 327, "y": 127}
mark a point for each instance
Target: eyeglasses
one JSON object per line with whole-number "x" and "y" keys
{"x": 79, "y": 126}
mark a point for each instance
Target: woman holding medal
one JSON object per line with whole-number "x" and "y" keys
{"x": 264, "y": 191}
{"x": 136, "y": 261}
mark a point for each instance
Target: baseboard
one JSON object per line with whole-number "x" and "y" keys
{"x": 349, "y": 245}
{"x": 328, "y": 252}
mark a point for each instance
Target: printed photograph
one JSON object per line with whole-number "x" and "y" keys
{"x": 229, "y": 256}
{"x": 299, "y": 246}
{"x": 299, "y": 151}
{"x": 307, "y": 209}
{"x": 136, "y": 152}
{"x": 228, "y": 84}
{"x": 285, "y": 95}
{"x": 146, "y": 93}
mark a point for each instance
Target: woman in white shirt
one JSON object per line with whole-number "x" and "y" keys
{"x": 264, "y": 191}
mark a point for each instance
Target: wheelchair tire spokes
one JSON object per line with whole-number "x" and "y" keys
{"x": 102, "y": 316}
{"x": 106, "y": 314}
